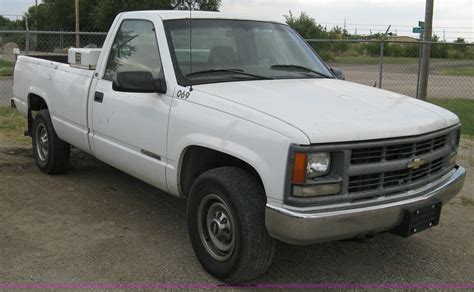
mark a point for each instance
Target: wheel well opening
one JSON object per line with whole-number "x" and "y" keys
{"x": 198, "y": 160}
{"x": 36, "y": 103}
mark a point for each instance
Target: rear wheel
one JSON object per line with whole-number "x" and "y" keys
{"x": 226, "y": 221}
{"x": 50, "y": 152}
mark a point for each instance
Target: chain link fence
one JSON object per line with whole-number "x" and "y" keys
{"x": 36, "y": 44}
{"x": 391, "y": 65}
{"x": 395, "y": 65}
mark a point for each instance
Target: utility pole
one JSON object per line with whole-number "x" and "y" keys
{"x": 36, "y": 24}
{"x": 425, "y": 61}
{"x": 36, "y": 14}
{"x": 78, "y": 37}
{"x": 344, "y": 30}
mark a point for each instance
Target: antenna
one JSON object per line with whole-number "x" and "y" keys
{"x": 182, "y": 5}
{"x": 191, "y": 6}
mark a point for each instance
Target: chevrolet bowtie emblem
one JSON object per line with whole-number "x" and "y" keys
{"x": 415, "y": 164}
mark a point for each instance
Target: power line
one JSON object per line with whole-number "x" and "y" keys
{"x": 410, "y": 31}
{"x": 385, "y": 25}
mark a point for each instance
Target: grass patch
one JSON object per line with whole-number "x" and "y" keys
{"x": 374, "y": 60}
{"x": 460, "y": 71}
{"x": 12, "y": 126}
{"x": 464, "y": 108}
{"x": 6, "y": 68}
{"x": 467, "y": 202}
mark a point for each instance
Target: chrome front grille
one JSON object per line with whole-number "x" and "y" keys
{"x": 395, "y": 152}
{"x": 393, "y": 179}
{"x": 386, "y": 169}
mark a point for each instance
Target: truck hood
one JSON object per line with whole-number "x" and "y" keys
{"x": 329, "y": 110}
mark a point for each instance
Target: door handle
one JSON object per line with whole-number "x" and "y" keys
{"x": 98, "y": 97}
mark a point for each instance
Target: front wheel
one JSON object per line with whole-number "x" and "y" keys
{"x": 226, "y": 222}
{"x": 50, "y": 152}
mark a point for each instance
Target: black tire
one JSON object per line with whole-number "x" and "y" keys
{"x": 243, "y": 195}
{"x": 50, "y": 152}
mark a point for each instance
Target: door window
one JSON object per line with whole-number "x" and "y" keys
{"x": 135, "y": 48}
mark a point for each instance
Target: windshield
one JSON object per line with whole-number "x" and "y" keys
{"x": 235, "y": 50}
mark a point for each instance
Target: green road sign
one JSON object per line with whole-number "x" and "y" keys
{"x": 421, "y": 24}
{"x": 418, "y": 30}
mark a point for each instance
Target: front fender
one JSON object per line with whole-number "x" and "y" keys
{"x": 259, "y": 146}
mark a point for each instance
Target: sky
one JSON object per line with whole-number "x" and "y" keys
{"x": 452, "y": 18}
{"x": 456, "y": 17}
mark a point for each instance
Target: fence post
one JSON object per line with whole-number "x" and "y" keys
{"x": 27, "y": 42}
{"x": 425, "y": 63}
{"x": 27, "y": 45}
{"x": 419, "y": 72}
{"x": 78, "y": 36}
{"x": 61, "y": 40}
{"x": 382, "y": 45}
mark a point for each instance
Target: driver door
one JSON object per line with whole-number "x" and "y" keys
{"x": 129, "y": 129}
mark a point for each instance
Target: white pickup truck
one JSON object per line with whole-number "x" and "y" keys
{"x": 251, "y": 127}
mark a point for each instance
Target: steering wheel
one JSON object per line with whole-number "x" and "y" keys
{"x": 267, "y": 61}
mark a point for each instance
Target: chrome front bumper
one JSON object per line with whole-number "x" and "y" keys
{"x": 302, "y": 228}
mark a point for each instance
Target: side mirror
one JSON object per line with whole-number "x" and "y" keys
{"x": 339, "y": 73}
{"x": 138, "y": 81}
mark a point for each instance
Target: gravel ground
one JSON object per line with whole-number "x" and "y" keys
{"x": 96, "y": 224}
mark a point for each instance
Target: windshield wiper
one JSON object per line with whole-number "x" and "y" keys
{"x": 298, "y": 67}
{"x": 234, "y": 71}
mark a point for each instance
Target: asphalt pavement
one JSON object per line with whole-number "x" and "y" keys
{"x": 403, "y": 78}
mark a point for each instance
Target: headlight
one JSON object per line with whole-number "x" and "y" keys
{"x": 318, "y": 165}
{"x": 309, "y": 166}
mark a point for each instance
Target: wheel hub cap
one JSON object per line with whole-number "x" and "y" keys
{"x": 216, "y": 227}
{"x": 42, "y": 142}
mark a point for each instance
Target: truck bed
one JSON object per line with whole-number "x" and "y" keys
{"x": 60, "y": 58}
{"x": 64, "y": 88}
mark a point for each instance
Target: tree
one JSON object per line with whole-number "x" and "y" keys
{"x": 306, "y": 26}
{"x": 96, "y": 15}
{"x": 60, "y": 14}
{"x": 211, "y": 5}
{"x": 106, "y": 10}
{"x": 461, "y": 47}
{"x": 5, "y": 22}
{"x": 438, "y": 50}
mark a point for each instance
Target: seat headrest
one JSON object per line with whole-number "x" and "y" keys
{"x": 226, "y": 56}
